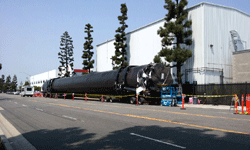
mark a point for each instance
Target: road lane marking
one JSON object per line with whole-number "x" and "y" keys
{"x": 24, "y": 105}
{"x": 180, "y": 113}
{"x": 1, "y": 108}
{"x": 69, "y": 117}
{"x": 158, "y": 141}
{"x": 154, "y": 119}
{"x": 16, "y": 137}
{"x": 39, "y": 109}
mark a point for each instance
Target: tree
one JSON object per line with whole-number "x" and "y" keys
{"x": 6, "y": 86}
{"x": 37, "y": 88}
{"x": 66, "y": 55}
{"x": 2, "y": 82}
{"x": 87, "y": 53}
{"x": 13, "y": 83}
{"x": 176, "y": 33}
{"x": 20, "y": 87}
{"x": 26, "y": 83}
{"x": 120, "y": 57}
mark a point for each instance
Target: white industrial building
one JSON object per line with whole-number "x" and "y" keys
{"x": 39, "y": 79}
{"x": 212, "y": 44}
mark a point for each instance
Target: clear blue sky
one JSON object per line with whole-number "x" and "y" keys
{"x": 30, "y": 30}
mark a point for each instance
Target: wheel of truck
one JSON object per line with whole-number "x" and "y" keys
{"x": 132, "y": 100}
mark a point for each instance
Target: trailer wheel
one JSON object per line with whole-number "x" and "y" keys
{"x": 106, "y": 99}
{"x": 141, "y": 100}
{"x": 132, "y": 100}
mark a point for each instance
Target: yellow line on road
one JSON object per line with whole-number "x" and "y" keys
{"x": 149, "y": 118}
{"x": 180, "y": 113}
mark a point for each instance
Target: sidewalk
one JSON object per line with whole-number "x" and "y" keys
{"x": 210, "y": 106}
{"x": 12, "y": 138}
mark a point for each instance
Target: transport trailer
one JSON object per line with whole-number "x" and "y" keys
{"x": 145, "y": 80}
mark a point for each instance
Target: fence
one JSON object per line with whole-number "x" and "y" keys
{"x": 222, "y": 93}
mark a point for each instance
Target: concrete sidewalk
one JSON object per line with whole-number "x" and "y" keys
{"x": 209, "y": 106}
{"x": 12, "y": 138}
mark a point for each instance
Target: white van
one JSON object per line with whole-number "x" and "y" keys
{"x": 27, "y": 91}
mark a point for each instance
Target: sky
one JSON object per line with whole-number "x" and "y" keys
{"x": 30, "y": 30}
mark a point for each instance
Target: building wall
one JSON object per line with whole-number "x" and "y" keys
{"x": 211, "y": 25}
{"x": 241, "y": 66}
{"x": 218, "y": 22}
{"x": 143, "y": 44}
{"x": 39, "y": 79}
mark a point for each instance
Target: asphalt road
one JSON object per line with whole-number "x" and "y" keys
{"x": 65, "y": 124}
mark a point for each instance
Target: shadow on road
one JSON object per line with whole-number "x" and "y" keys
{"x": 76, "y": 138}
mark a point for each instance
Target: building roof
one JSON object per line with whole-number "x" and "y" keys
{"x": 192, "y": 7}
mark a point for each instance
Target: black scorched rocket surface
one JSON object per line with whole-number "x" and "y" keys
{"x": 110, "y": 82}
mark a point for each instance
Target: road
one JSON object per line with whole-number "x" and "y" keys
{"x": 65, "y": 124}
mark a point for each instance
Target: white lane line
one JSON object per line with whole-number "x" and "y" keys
{"x": 1, "y": 108}
{"x": 158, "y": 141}
{"x": 39, "y": 109}
{"x": 24, "y": 105}
{"x": 69, "y": 117}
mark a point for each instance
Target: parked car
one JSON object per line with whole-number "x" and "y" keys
{"x": 16, "y": 93}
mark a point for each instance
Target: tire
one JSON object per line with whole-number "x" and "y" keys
{"x": 111, "y": 101}
{"x": 132, "y": 100}
{"x": 106, "y": 99}
{"x": 141, "y": 100}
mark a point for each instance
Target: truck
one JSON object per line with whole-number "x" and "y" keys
{"x": 27, "y": 91}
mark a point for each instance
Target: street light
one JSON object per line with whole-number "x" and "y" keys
{"x": 26, "y": 74}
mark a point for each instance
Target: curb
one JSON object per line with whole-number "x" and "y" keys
{"x": 8, "y": 131}
{"x": 4, "y": 143}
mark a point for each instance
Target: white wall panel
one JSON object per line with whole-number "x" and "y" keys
{"x": 39, "y": 79}
{"x": 211, "y": 25}
{"x": 219, "y": 21}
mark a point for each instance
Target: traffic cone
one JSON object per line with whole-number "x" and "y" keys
{"x": 236, "y": 105}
